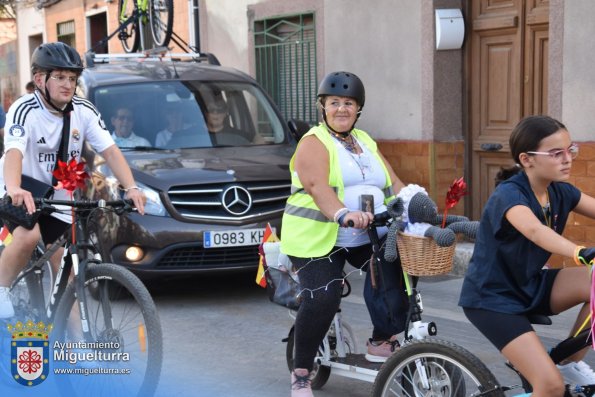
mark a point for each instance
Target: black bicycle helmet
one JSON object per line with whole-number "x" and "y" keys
{"x": 52, "y": 56}
{"x": 343, "y": 84}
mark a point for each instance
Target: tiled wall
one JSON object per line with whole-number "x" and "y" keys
{"x": 434, "y": 165}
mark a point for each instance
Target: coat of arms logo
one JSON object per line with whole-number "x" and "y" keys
{"x": 30, "y": 352}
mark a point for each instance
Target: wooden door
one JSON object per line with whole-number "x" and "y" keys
{"x": 508, "y": 80}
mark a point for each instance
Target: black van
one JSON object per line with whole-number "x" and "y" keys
{"x": 213, "y": 162}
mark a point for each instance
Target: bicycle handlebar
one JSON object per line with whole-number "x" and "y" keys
{"x": 379, "y": 220}
{"x": 48, "y": 205}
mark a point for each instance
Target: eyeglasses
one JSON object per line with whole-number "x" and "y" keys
{"x": 336, "y": 105}
{"x": 72, "y": 80}
{"x": 559, "y": 154}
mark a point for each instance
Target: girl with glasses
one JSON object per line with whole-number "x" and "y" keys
{"x": 521, "y": 226}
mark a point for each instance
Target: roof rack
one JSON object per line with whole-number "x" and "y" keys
{"x": 156, "y": 54}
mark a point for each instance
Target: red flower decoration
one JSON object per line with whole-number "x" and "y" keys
{"x": 456, "y": 191}
{"x": 70, "y": 175}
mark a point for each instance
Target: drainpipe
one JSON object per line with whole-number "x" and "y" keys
{"x": 194, "y": 24}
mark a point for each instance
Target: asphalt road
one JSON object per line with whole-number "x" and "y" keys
{"x": 223, "y": 336}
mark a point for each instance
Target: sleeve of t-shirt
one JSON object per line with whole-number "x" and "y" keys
{"x": 16, "y": 135}
{"x": 97, "y": 135}
{"x": 504, "y": 198}
{"x": 2, "y": 117}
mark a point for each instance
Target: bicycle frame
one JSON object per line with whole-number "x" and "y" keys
{"x": 139, "y": 15}
{"x": 70, "y": 262}
{"x": 342, "y": 356}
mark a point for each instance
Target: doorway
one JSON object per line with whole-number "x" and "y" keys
{"x": 508, "y": 76}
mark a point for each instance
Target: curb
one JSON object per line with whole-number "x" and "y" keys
{"x": 463, "y": 252}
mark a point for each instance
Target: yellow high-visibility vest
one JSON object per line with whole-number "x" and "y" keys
{"x": 305, "y": 231}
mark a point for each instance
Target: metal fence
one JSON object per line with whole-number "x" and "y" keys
{"x": 286, "y": 64}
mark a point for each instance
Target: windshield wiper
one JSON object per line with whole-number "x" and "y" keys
{"x": 131, "y": 148}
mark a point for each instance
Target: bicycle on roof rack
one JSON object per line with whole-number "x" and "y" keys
{"x": 133, "y": 16}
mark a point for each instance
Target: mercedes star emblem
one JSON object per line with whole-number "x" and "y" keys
{"x": 236, "y": 200}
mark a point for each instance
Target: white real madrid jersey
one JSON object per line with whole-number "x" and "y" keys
{"x": 36, "y": 132}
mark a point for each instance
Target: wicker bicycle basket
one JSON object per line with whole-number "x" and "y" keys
{"x": 421, "y": 256}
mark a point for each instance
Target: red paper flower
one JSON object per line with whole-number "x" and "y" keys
{"x": 70, "y": 175}
{"x": 457, "y": 190}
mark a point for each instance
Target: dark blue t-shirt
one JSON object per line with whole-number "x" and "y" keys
{"x": 506, "y": 273}
{"x": 2, "y": 117}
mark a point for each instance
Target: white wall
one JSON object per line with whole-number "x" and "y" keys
{"x": 226, "y": 33}
{"x": 578, "y": 81}
{"x": 30, "y": 22}
{"x": 380, "y": 41}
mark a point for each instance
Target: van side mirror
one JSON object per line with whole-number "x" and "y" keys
{"x": 298, "y": 128}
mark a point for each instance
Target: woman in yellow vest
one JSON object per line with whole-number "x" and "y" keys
{"x": 335, "y": 170}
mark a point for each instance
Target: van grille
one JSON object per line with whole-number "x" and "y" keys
{"x": 210, "y": 258}
{"x": 204, "y": 202}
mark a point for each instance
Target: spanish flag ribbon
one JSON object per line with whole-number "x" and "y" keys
{"x": 5, "y": 236}
{"x": 269, "y": 236}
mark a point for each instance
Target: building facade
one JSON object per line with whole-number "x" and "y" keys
{"x": 438, "y": 114}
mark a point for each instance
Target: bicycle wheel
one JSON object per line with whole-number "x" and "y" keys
{"x": 129, "y": 34}
{"x": 28, "y": 300}
{"x": 161, "y": 17}
{"x": 434, "y": 368}
{"x": 126, "y": 336}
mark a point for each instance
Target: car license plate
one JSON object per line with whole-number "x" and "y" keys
{"x": 232, "y": 238}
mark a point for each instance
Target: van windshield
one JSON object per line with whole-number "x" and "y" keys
{"x": 188, "y": 114}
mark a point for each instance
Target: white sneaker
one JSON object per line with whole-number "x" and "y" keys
{"x": 579, "y": 373}
{"x": 6, "y": 309}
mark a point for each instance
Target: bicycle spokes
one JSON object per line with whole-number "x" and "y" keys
{"x": 161, "y": 19}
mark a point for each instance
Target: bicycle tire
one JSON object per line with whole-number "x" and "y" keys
{"x": 145, "y": 353}
{"x": 451, "y": 371}
{"x": 161, "y": 18}
{"x": 128, "y": 35}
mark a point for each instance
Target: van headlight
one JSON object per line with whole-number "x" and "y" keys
{"x": 153, "y": 206}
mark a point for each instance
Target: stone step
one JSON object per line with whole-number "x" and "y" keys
{"x": 463, "y": 252}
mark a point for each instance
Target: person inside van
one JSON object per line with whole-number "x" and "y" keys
{"x": 123, "y": 122}
{"x": 221, "y": 133}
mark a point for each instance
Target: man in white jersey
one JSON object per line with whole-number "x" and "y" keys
{"x": 33, "y": 134}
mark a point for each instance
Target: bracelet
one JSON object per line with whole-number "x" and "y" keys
{"x": 341, "y": 217}
{"x": 340, "y": 212}
{"x": 576, "y": 251}
{"x": 130, "y": 188}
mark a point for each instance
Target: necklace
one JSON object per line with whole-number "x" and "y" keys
{"x": 545, "y": 209}
{"x": 360, "y": 165}
{"x": 347, "y": 142}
